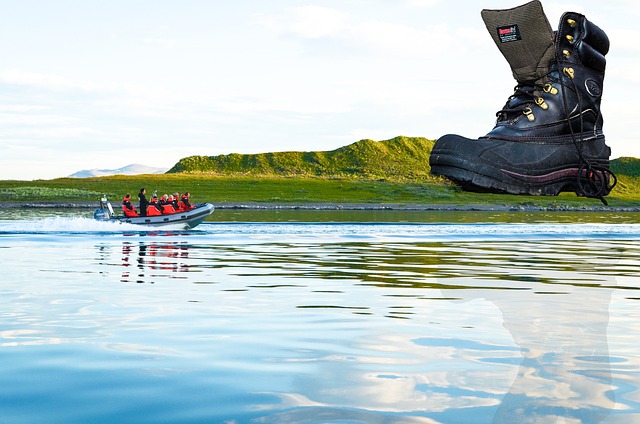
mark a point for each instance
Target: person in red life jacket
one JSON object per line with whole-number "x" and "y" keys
{"x": 127, "y": 207}
{"x": 186, "y": 205}
{"x": 167, "y": 206}
{"x": 154, "y": 208}
{"x": 143, "y": 202}
{"x": 177, "y": 205}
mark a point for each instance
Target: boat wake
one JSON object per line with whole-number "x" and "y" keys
{"x": 251, "y": 233}
{"x": 265, "y": 232}
{"x": 66, "y": 225}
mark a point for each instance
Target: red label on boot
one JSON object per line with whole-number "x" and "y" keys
{"x": 509, "y": 33}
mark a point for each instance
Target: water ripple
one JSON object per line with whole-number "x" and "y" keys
{"x": 332, "y": 322}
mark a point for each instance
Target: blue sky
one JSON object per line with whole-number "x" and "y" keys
{"x": 106, "y": 83}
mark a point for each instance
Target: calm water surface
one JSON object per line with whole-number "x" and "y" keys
{"x": 321, "y": 318}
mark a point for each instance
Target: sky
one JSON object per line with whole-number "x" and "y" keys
{"x": 106, "y": 83}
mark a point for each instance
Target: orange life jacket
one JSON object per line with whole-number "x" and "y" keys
{"x": 152, "y": 210}
{"x": 185, "y": 205}
{"x": 127, "y": 208}
{"x": 167, "y": 209}
{"x": 129, "y": 212}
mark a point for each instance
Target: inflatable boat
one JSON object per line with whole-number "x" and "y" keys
{"x": 185, "y": 219}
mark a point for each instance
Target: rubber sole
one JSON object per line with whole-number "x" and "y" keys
{"x": 542, "y": 169}
{"x": 565, "y": 180}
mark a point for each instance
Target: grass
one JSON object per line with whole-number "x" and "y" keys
{"x": 288, "y": 190}
{"x": 45, "y": 193}
{"x": 626, "y": 166}
{"x": 221, "y": 189}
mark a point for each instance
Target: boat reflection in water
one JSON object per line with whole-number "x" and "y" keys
{"x": 153, "y": 257}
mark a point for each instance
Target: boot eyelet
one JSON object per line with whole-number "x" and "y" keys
{"x": 529, "y": 114}
{"x": 571, "y": 22}
{"x": 566, "y": 53}
{"x": 570, "y": 38}
{"x": 540, "y": 102}
{"x": 548, "y": 88}
{"x": 569, "y": 72}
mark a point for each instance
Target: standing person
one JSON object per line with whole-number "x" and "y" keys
{"x": 143, "y": 202}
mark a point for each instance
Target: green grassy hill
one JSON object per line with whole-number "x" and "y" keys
{"x": 399, "y": 159}
{"x": 626, "y": 166}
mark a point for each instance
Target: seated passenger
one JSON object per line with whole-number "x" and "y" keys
{"x": 128, "y": 209}
{"x": 167, "y": 207}
{"x": 176, "y": 202}
{"x": 154, "y": 208}
{"x": 186, "y": 205}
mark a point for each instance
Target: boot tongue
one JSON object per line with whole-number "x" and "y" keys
{"x": 524, "y": 37}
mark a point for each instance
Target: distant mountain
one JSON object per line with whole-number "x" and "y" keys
{"x": 133, "y": 169}
{"x": 399, "y": 158}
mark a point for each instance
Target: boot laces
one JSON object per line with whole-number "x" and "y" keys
{"x": 593, "y": 181}
{"x": 523, "y": 97}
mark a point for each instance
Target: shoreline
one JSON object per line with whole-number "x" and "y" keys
{"x": 334, "y": 206}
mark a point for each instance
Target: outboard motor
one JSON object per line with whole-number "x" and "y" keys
{"x": 105, "y": 211}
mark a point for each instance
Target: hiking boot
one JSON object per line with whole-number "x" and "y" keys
{"x": 548, "y": 136}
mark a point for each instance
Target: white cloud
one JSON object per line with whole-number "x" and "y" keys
{"x": 160, "y": 42}
{"x": 421, "y": 3}
{"x": 17, "y": 108}
{"x": 308, "y": 22}
{"x": 386, "y": 39}
{"x": 47, "y": 81}
{"x": 397, "y": 40}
